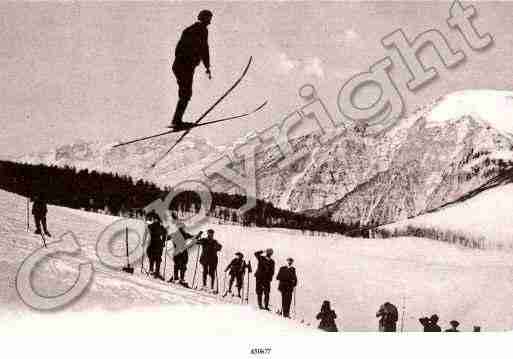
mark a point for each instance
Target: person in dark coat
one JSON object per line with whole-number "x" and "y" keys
{"x": 430, "y": 324}
{"x": 236, "y": 270}
{"x": 327, "y": 317}
{"x": 39, "y": 210}
{"x": 388, "y": 317}
{"x": 155, "y": 248}
{"x": 263, "y": 277}
{"x": 287, "y": 282}
{"x": 454, "y": 326}
{"x": 208, "y": 258}
{"x": 192, "y": 48}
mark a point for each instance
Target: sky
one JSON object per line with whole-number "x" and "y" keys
{"x": 101, "y": 71}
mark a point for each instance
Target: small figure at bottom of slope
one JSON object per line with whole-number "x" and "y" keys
{"x": 430, "y": 324}
{"x": 236, "y": 270}
{"x": 388, "y": 317}
{"x": 327, "y": 317}
{"x": 39, "y": 210}
{"x": 454, "y": 326}
{"x": 192, "y": 48}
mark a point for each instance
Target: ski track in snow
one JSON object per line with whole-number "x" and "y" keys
{"x": 356, "y": 275}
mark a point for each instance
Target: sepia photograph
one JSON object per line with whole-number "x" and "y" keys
{"x": 318, "y": 174}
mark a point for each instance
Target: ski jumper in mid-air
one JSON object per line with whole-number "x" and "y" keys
{"x": 192, "y": 48}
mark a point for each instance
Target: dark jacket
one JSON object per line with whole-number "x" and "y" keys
{"x": 429, "y": 326}
{"x": 192, "y": 48}
{"x": 388, "y": 317}
{"x": 39, "y": 208}
{"x": 236, "y": 267}
{"x": 209, "y": 249}
{"x": 157, "y": 238}
{"x": 287, "y": 278}
{"x": 265, "y": 267}
{"x": 327, "y": 321}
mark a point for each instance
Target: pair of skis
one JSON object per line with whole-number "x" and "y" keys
{"x": 197, "y": 122}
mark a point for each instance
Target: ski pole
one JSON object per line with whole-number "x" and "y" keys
{"x": 249, "y": 278}
{"x": 28, "y": 216}
{"x": 243, "y": 278}
{"x": 143, "y": 249}
{"x": 224, "y": 284}
{"x": 217, "y": 282}
{"x": 195, "y": 268}
{"x": 294, "y": 302}
{"x": 165, "y": 259}
{"x": 402, "y": 315}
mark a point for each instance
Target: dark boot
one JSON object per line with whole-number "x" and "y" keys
{"x": 179, "y": 111}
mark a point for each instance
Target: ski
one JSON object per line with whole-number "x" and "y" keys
{"x": 194, "y": 126}
{"x": 227, "y": 92}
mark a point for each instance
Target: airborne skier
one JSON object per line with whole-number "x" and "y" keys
{"x": 192, "y": 48}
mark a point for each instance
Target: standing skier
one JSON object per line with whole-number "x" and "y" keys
{"x": 158, "y": 239}
{"x": 181, "y": 255}
{"x": 388, "y": 317}
{"x": 236, "y": 269}
{"x": 208, "y": 258}
{"x": 264, "y": 276}
{"x": 192, "y": 48}
{"x": 288, "y": 281}
{"x": 39, "y": 210}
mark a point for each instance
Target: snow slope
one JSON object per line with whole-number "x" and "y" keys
{"x": 488, "y": 215}
{"x": 115, "y": 302}
{"x": 355, "y": 274}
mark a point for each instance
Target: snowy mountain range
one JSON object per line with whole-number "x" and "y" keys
{"x": 432, "y": 157}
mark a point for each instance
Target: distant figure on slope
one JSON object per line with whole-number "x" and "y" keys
{"x": 430, "y": 324}
{"x": 39, "y": 210}
{"x": 264, "y": 276}
{"x": 287, "y": 282}
{"x": 158, "y": 239}
{"x": 388, "y": 317}
{"x": 192, "y": 48}
{"x": 327, "y": 317}
{"x": 181, "y": 255}
{"x": 208, "y": 258}
{"x": 454, "y": 326}
{"x": 236, "y": 270}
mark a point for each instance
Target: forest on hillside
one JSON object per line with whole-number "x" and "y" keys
{"x": 121, "y": 195}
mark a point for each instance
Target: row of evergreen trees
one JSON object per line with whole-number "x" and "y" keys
{"x": 115, "y": 194}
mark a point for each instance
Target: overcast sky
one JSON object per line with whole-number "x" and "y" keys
{"x": 101, "y": 71}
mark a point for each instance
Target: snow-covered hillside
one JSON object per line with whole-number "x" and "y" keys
{"x": 430, "y": 158}
{"x": 488, "y": 215}
{"x": 188, "y": 159}
{"x": 442, "y": 151}
{"x": 356, "y": 275}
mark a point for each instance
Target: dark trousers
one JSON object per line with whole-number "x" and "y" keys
{"x": 155, "y": 264}
{"x": 40, "y": 221}
{"x": 286, "y": 300}
{"x": 210, "y": 270}
{"x": 237, "y": 278}
{"x": 263, "y": 288}
{"x": 179, "y": 272}
{"x": 184, "y": 76}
